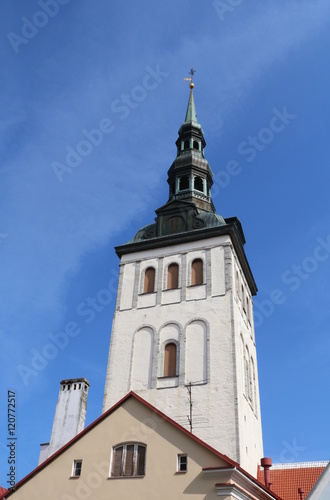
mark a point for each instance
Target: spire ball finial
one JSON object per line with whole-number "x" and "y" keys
{"x": 191, "y": 84}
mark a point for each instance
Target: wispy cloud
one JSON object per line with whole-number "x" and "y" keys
{"x": 51, "y": 225}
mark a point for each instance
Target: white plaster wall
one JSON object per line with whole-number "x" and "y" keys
{"x": 196, "y": 354}
{"x": 221, "y": 414}
{"x": 142, "y": 359}
{"x": 128, "y": 286}
{"x": 213, "y": 403}
{"x": 218, "y": 271}
{"x": 249, "y": 415}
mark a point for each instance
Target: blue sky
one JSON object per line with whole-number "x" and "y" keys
{"x": 262, "y": 96}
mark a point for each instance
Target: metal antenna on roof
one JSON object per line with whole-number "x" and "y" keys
{"x": 190, "y": 416}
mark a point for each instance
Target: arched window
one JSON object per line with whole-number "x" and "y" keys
{"x": 247, "y": 372}
{"x": 128, "y": 460}
{"x": 198, "y": 184}
{"x": 170, "y": 360}
{"x": 196, "y": 145}
{"x": 254, "y": 387}
{"x": 249, "y": 377}
{"x": 243, "y": 298}
{"x": 243, "y": 361}
{"x": 172, "y": 276}
{"x": 237, "y": 284}
{"x": 149, "y": 280}
{"x": 197, "y": 272}
{"x": 186, "y": 144}
{"x": 183, "y": 183}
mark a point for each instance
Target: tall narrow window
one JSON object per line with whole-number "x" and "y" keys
{"x": 249, "y": 376}
{"x": 128, "y": 460}
{"x": 182, "y": 463}
{"x": 196, "y": 145}
{"x": 170, "y": 360}
{"x": 149, "y": 280}
{"x": 197, "y": 272}
{"x": 76, "y": 469}
{"x": 237, "y": 284}
{"x": 254, "y": 387}
{"x": 248, "y": 308}
{"x": 183, "y": 183}
{"x": 246, "y": 370}
{"x": 172, "y": 276}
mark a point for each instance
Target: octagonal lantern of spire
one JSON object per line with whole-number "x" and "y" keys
{"x": 190, "y": 175}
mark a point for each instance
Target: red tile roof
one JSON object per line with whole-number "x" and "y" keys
{"x": 287, "y": 478}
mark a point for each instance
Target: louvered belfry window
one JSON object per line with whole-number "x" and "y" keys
{"x": 128, "y": 460}
{"x": 170, "y": 360}
{"x": 197, "y": 272}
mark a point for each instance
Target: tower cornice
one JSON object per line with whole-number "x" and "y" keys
{"x": 232, "y": 227}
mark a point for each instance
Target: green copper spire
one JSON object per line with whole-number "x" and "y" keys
{"x": 191, "y": 110}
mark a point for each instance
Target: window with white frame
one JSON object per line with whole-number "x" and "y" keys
{"x": 76, "y": 468}
{"x": 182, "y": 463}
{"x": 128, "y": 460}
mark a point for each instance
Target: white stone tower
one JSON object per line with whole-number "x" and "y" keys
{"x": 183, "y": 327}
{"x": 69, "y": 417}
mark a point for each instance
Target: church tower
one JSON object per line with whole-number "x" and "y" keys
{"x": 183, "y": 333}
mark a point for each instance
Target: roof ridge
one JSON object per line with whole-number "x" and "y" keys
{"x": 299, "y": 465}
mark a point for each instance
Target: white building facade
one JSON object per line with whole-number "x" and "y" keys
{"x": 183, "y": 333}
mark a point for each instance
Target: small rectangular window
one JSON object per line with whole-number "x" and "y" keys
{"x": 76, "y": 470}
{"x": 182, "y": 463}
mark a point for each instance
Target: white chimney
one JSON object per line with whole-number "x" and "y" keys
{"x": 69, "y": 417}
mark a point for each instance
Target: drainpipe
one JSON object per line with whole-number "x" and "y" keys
{"x": 266, "y": 463}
